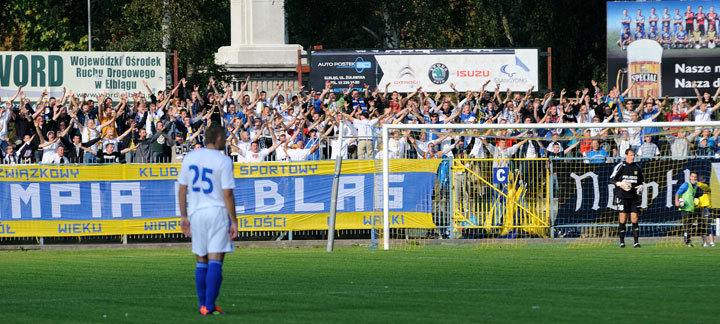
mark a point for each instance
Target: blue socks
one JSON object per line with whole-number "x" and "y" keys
{"x": 200, "y": 278}
{"x": 212, "y": 283}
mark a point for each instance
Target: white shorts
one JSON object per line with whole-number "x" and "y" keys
{"x": 210, "y": 228}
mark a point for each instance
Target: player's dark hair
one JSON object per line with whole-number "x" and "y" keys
{"x": 213, "y": 133}
{"x": 630, "y": 149}
{"x": 695, "y": 173}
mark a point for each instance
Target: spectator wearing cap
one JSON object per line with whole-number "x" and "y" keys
{"x": 313, "y": 140}
{"x": 49, "y": 146}
{"x": 281, "y": 155}
{"x": 703, "y": 149}
{"x": 706, "y": 135}
{"x": 614, "y": 98}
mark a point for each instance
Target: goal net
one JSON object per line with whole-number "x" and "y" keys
{"x": 546, "y": 184}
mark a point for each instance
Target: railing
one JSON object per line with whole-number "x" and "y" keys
{"x": 442, "y": 213}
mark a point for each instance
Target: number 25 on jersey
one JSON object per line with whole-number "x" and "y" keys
{"x": 203, "y": 177}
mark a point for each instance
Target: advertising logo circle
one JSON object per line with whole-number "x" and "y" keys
{"x": 438, "y": 73}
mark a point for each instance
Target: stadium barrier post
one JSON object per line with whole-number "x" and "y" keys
{"x": 550, "y": 205}
{"x": 386, "y": 187}
{"x": 334, "y": 194}
{"x": 451, "y": 187}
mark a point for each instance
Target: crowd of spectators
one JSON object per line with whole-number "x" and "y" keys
{"x": 296, "y": 125}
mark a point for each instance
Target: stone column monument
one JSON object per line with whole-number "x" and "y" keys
{"x": 258, "y": 45}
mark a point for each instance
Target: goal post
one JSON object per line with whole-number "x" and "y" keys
{"x": 440, "y": 128}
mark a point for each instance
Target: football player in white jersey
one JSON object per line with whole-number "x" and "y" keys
{"x": 207, "y": 209}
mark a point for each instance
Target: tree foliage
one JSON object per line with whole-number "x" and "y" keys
{"x": 195, "y": 28}
{"x": 42, "y": 25}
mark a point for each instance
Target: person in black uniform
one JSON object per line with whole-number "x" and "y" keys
{"x": 628, "y": 179}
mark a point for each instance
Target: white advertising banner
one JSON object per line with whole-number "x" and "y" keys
{"x": 517, "y": 70}
{"x": 433, "y": 69}
{"x": 92, "y": 73}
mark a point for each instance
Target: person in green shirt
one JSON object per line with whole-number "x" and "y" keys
{"x": 685, "y": 201}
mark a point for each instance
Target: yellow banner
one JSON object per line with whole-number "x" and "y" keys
{"x": 134, "y": 172}
{"x": 245, "y": 224}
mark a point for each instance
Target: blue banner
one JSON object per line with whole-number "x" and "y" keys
{"x": 273, "y": 196}
{"x": 586, "y": 194}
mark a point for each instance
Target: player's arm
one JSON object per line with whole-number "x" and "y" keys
{"x": 228, "y": 183}
{"x": 182, "y": 201}
{"x": 229, "y": 199}
{"x": 616, "y": 176}
{"x": 680, "y": 191}
{"x": 183, "y": 182}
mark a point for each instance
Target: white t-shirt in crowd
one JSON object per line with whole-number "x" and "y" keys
{"x": 702, "y": 115}
{"x": 397, "y": 148}
{"x": 256, "y": 157}
{"x": 365, "y": 127}
{"x": 334, "y": 144}
{"x": 88, "y": 134}
{"x": 298, "y": 154}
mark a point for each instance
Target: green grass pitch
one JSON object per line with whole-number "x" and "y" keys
{"x": 357, "y": 285}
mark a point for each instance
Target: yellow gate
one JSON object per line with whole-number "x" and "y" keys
{"x": 501, "y": 197}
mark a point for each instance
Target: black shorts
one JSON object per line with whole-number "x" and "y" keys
{"x": 631, "y": 205}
